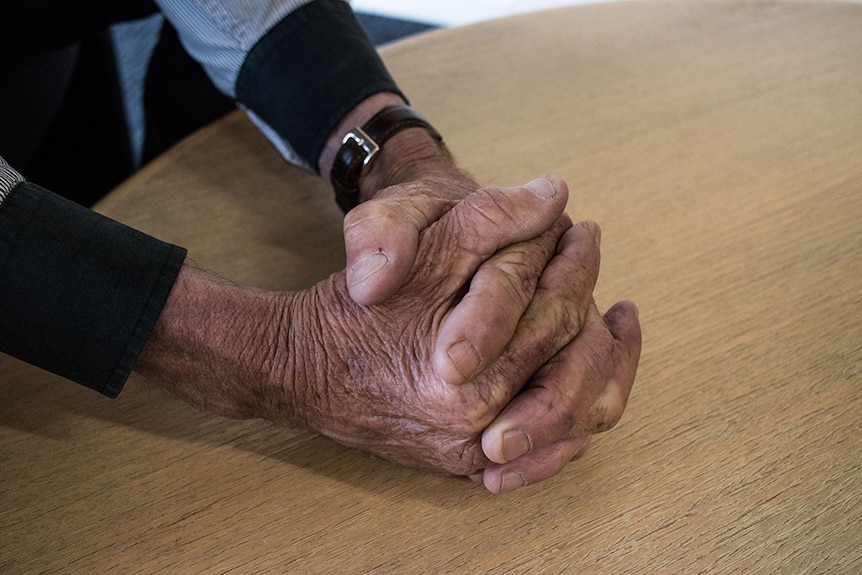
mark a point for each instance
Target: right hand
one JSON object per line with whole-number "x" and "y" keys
{"x": 581, "y": 391}
{"x": 365, "y": 375}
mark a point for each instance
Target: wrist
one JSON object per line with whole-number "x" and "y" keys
{"x": 410, "y": 156}
{"x": 215, "y": 345}
{"x": 409, "y": 150}
{"x": 359, "y": 116}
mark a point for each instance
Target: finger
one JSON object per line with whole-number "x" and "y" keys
{"x": 582, "y": 390}
{"x": 483, "y": 322}
{"x": 535, "y": 467}
{"x": 381, "y": 235}
{"x": 623, "y": 323}
{"x": 490, "y": 219}
{"x": 381, "y": 238}
{"x": 554, "y": 317}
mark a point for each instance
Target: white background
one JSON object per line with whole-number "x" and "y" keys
{"x": 456, "y": 12}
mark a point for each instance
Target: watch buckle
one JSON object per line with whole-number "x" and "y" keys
{"x": 364, "y": 141}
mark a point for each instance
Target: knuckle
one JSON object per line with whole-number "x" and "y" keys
{"x": 568, "y": 318}
{"x": 488, "y": 205}
{"x": 599, "y": 360}
{"x": 569, "y": 310}
{"x": 606, "y": 407}
{"x": 546, "y": 400}
{"x": 459, "y": 455}
{"x": 518, "y": 278}
{"x": 606, "y": 413}
{"x": 472, "y": 459}
{"x": 374, "y": 213}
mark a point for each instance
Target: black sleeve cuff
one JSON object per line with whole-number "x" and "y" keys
{"x": 79, "y": 292}
{"x": 309, "y": 71}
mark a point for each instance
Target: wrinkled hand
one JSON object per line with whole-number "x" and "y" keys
{"x": 381, "y": 235}
{"x": 365, "y": 375}
{"x": 384, "y": 395}
{"x": 382, "y": 239}
{"x": 583, "y": 389}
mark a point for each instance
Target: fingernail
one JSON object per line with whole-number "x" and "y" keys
{"x": 594, "y": 229}
{"x": 543, "y": 188}
{"x": 516, "y": 444}
{"x": 464, "y": 357}
{"x": 512, "y": 480}
{"x": 366, "y": 267}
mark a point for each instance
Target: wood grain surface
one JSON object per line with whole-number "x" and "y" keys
{"x": 719, "y": 145}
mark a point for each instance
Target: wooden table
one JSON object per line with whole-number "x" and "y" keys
{"x": 719, "y": 144}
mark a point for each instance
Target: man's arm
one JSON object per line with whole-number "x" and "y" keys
{"x": 363, "y": 375}
{"x": 413, "y": 182}
{"x": 296, "y": 66}
{"x": 418, "y": 199}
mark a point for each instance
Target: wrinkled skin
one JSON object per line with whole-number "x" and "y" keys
{"x": 377, "y": 388}
{"x": 367, "y": 377}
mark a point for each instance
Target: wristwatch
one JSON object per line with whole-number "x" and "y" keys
{"x": 360, "y": 146}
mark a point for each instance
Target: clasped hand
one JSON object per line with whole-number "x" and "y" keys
{"x": 491, "y": 360}
{"x": 485, "y": 357}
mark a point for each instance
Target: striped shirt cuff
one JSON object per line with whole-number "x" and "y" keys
{"x": 306, "y": 74}
{"x": 9, "y": 178}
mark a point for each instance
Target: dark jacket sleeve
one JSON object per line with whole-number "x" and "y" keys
{"x": 79, "y": 292}
{"x": 28, "y": 27}
{"x": 307, "y": 72}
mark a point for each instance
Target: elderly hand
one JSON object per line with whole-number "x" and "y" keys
{"x": 392, "y": 399}
{"x": 583, "y": 390}
{"x": 365, "y": 375}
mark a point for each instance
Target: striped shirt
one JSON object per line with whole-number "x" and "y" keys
{"x": 219, "y": 35}
{"x": 9, "y": 178}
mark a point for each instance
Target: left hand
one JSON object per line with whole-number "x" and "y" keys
{"x": 581, "y": 391}
{"x": 412, "y": 186}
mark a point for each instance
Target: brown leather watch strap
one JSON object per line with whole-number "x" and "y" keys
{"x": 360, "y": 146}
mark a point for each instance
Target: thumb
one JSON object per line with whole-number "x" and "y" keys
{"x": 381, "y": 237}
